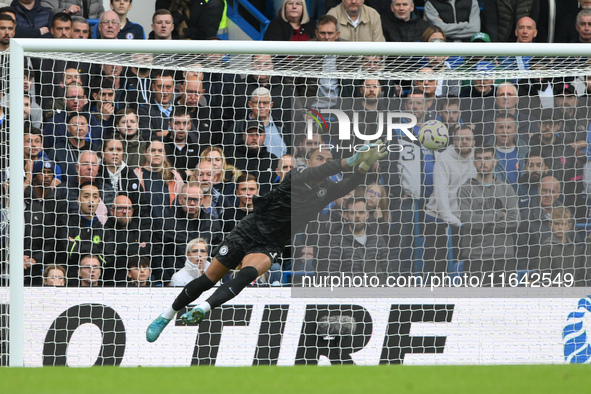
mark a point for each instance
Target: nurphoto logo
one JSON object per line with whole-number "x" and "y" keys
{"x": 389, "y": 121}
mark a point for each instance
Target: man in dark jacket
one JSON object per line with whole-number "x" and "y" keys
{"x": 190, "y": 221}
{"x": 358, "y": 249}
{"x": 194, "y": 20}
{"x": 125, "y": 237}
{"x": 85, "y": 231}
{"x": 402, "y": 25}
{"x": 251, "y": 155}
{"x": 32, "y": 19}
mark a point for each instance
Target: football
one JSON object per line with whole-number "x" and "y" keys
{"x": 433, "y": 135}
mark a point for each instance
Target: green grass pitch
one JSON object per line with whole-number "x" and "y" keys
{"x": 300, "y": 379}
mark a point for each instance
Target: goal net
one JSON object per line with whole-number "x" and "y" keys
{"x": 136, "y": 163}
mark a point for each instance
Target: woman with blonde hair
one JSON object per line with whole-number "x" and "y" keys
{"x": 292, "y": 24}
{"x": 196, "y": 262}
{"x": 160, "y": 183}
{"x": 224, "y": 172}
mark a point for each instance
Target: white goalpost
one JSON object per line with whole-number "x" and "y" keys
{"x": 339, "y": 322}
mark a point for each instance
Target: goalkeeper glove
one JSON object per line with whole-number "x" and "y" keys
{"x": 361, "y": 155}
{"x": 376, "y": 153}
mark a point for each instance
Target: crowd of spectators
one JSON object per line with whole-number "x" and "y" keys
{"x": 134, "y": 175}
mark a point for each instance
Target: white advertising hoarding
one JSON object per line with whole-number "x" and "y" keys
{"x": 83, "y": 327}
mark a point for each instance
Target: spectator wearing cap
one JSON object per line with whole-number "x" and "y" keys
{"x": 402, "y": 25}
{"x": 33, "y": 151}
{"x": 251, "y": 155}
{"x": 575, "y": 117}
{"x": 480, "y": 37}
{"x": 459, "y": 19}
{"x": 44, "y": 176}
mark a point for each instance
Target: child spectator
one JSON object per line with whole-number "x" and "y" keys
{"x": 54, "y": 275}
{"x": 138, "y": 272}
{"x": 129, "y": 30}
{"x": 561, "y": 255}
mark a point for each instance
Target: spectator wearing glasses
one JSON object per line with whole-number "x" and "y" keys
{"x": 75, "y": 101}
{"x": 109, "y": 25}
{"x": 188, "y": 221}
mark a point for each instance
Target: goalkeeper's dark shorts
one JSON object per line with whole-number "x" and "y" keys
{"x": 243, "y": 240}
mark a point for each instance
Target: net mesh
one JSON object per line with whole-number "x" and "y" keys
{"x": 180, "y": 124}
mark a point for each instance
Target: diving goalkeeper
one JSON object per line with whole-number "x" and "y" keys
{"x": 262, "y": 235}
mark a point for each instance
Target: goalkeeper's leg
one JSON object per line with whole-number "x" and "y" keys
{"x": 253, "y": 265}
{"x": 215, "y": 272}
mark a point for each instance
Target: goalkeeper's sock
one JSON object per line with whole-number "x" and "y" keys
{"x": 205, "y": 307}
{"x": 232, "y": 288}
{"x": 169, "y": 313}
{"x": 191, "y": 292}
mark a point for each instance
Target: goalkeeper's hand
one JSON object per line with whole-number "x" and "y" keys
{"x": 379, "y": 151}
{"x": 361, "y": 155}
